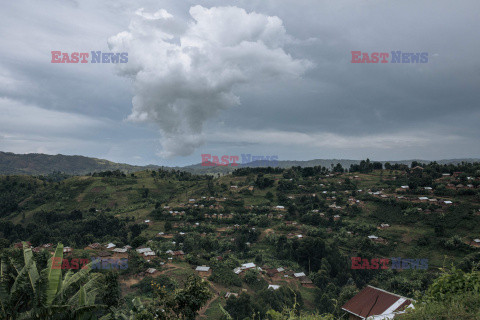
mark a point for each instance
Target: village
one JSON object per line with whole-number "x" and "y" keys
{"x": 226, "y": 239}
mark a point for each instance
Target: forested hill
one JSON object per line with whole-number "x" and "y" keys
{"x": 327, "y": 163}
{"x": 274, "y": 238}
{"x": 42, "y": 164}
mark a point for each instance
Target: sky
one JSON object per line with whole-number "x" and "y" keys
{"x": 241, "y": 77}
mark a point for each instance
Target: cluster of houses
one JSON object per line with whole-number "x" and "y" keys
{"x": 413, "y": 199}
{"x": 218, "y": 216}
{"x": 279, "y": 273}
{"x": 246, "y": 266}
{"x": 276, "y": 274}
{"x": 48, "y": 246}
{"x": 146, "y": 253}
{"x": 109, "y": 249}
{"x": 237, "y": 188}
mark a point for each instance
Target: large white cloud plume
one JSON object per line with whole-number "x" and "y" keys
{"x": 185, "y": 73}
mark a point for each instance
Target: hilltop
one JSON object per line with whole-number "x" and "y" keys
{"x": 44, "y": 164}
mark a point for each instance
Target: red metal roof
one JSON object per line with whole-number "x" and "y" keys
{"x": 272, "y": 272}
{"x": 20, "y": 244}
{"x": 373, "y": 301}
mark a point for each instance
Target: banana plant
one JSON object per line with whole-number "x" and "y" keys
{"x": 47, "y": 294}
{"x": 117, "y": 314}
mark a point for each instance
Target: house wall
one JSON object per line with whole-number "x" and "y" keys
{"x": 120, "y": 255}
{"x": 205, "y": 273}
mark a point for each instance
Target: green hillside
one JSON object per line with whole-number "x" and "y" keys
{"x": 42, "y": 164}
{"x": 325, "y": 219}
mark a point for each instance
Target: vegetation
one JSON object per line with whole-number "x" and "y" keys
{"x": 29, "y": 293}
{"x": 454, "y": 295}
{"x": 307, "y": 222}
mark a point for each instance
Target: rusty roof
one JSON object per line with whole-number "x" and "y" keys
{"x": 373, "y": 301}
{"x": 272, "y": 271}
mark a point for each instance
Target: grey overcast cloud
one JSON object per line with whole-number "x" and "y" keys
{"x": 231, "y": 77}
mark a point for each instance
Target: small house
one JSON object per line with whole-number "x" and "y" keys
{"x": 306, "y": 282}
{"x": 151, "y": 271}
{"x": 93, "y": 246}
{"x": 203, "y": 271}
{"x": 374, "y": 303}
{"x": 475, "y": 243}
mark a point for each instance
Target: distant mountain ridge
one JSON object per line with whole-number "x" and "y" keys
{"x": 42, "y": 164}
{"x": 199, "y": 169}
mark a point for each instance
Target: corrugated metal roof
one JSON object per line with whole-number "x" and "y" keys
{"x": 373, "y": 301}
{"x": 248, "y": 265}
{"x": 395, "y": 306}
{"x": 202, "y": 268}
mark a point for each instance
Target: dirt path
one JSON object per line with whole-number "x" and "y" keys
{"x": 216, "y": 295}
{"x": 201, "y": 313}
{"x": 170, "y": 267}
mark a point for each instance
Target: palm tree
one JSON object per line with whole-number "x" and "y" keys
{"x": 26, "y": 293}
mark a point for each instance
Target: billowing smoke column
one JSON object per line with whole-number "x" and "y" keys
{"x": 185, "y": 73}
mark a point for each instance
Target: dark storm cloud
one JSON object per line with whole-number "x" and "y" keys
{"x": 336, "y": 108}
{"x": 346, "y": 98}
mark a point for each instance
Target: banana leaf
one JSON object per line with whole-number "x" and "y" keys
{"x": 31, "y": 266}
{"x": 54, "y": 275}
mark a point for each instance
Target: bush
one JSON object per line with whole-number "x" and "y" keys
{"x": 454, "y": 295}
{"x": 461, "y": 306}
{"x": 146, "y": 285}
{"x": 225, "y": 276}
